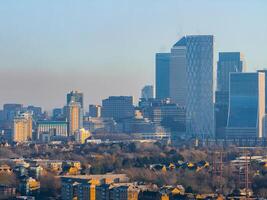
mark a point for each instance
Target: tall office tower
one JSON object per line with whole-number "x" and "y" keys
{"x": 75, "y": 117}
{"x": 228, "y": 62}
{"x": 162, "y": 75}
{"x": 22, "y": 128}
{"x": 265, "y": 72}
{"x": 94, "y": 111}
{"x": 147, "y": 92}
{"x": 200, "y": 92}
{"x": 246, "y": 105}
{"x": 178, "y": 84}
{"x": 75, "y": 96}
{"x": 118, "y": 107}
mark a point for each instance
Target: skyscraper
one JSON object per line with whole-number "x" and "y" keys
{"x": 22, "y": 127}
{"x": 246, "y": 105}
{"x": 162, "y": 75}
{"x": 147, "y": 92}
{"x": 228, "y": 62}
{"x": 94, "y": 110}
{"x": 265, "y": 72}
{"x": 75, "y": 96}
{"x": 200, "y": 93}
{"x": 75, "y": 117}
{"x": 118, "y": 107}
{"x": 178, "y": 81}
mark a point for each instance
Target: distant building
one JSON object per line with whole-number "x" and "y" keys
{"x": 246, "y": 105}
{"x": 75, "y": 117}
{"x": 118, "y": 107}
{"x": 147, "y": 92}
{"x": 22, "y": 128}
{"x": 54, "y": 128}
{"x": 228, "y": 62}
{"x": 200, "y": 88}
{"x": 75, "y": 96}
{"x": 35, "y": 111}
{"x": 94, "y": 111}
{"x": 162, "y": 75}
{"x": 11, "y": 110}
{"x": 58, "y": 114}
{"x": 178, "y": 76}
{"x": 99, "y": 124}
{"x": 189, "y": 81}
{"x": 265, "y": 72}
{"x": 82, "y": 135}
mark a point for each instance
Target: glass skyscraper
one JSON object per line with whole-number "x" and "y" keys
{"x": 200, "y": 93}
{"x": 178, "y": 86}
{"x": 191, "y": 81}
{"x": 228, "y": 62}
{"x": 246, "y": 105}
{"x": 162, "y": 75}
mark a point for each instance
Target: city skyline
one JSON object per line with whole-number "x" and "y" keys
{"x": 63, "y": 46}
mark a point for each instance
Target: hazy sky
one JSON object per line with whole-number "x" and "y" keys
{"x": 107, "y": 47}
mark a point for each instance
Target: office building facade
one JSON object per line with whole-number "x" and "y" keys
{"x": 200, "y": 91}
{"x": 55, "y": 128}
{"x": 228, "y": 62}
{"x": 162, "y": 75}
{"x": 246, "y": 105}
{"x": 178, "y": 75}
{"x": 118, "y": 107}
{"x": 94, "y": 111}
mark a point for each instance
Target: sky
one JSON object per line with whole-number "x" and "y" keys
{"x": 107, "y": 47}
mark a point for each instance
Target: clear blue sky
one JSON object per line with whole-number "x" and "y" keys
{"x": 107, "y": 47}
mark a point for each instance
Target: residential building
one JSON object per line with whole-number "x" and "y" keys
{"x": 22, "y": 128}
{"x": 162, "y": 75}
{"x": 147, "y": 92}
{"x": 246, "y": 105}
{"x": 118, "y": 107}
{"x": 75, "y": 117}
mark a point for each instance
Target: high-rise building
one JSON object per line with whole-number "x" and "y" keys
{"x": 118, "y": 107}
{"x": 75, "y": 117}
{"x": 246, "y": 105}
{"x": 228, "y": 62}
{"x": 75, "y": 96}
{"x": 147, "y": 92}
{"x": 200, "y": 92}
{"x": 94, "y": 111}
{"x": 22, "y": 127}
{"x": 162, "y": 75}
{"x": 178, "y": 81}
{"x": 190, "y": 79}
{"x": 265, "y": 72}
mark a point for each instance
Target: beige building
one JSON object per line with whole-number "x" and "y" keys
{"x": 75, "y": 117}
{"x": 22, "y": 128}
